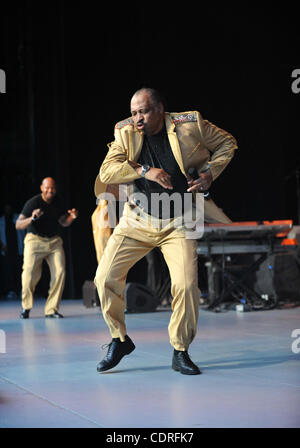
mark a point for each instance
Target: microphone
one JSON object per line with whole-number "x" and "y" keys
{"x": 194, "y": 174}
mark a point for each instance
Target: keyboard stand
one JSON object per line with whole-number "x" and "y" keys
{"x": 222, "y": 283}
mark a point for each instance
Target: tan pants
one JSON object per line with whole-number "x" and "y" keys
{"x": 37, "y": 249}
{"x": 128, "y": 244}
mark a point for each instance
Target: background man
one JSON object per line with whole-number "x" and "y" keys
{"x": 41, "y": 216}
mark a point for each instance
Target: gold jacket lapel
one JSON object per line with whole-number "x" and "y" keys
{"x": 135, "y": 143}
{"x": 173, "y": 139}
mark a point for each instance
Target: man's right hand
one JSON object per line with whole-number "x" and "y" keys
{"x": 159, "y": 176}
{"x": 23, "y": 221}
{"x": 37, "y": 213}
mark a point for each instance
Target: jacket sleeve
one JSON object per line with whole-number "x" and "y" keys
{"x": 116, "y": 168}
{"x": 220, "y": 144}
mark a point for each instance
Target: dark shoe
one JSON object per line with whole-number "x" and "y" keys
{"x": 55, "y": 315}
{"x": 24, "y": 314}
{"x": 116, "y": 351}
{"x": 182, "y": 363}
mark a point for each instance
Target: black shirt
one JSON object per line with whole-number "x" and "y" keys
{"x": 157, "y": 153}
{"x": 47, "y": 225}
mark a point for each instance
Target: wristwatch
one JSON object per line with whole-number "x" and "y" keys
{"x": 145, "y": 169}
{"x": 206, "y": 168}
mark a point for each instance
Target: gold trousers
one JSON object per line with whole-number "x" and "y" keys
{"x": 37, "y": 249}
{"x": 131, "y": 240}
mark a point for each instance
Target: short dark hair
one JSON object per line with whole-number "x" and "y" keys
{"x": 156, "y": 97}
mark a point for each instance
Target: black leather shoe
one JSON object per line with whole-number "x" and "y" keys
{"x": 182, "y": 363}
{"x": 55, "y": 315}
{"x": 24, "y": 314}
{"x": 116, "y": 351}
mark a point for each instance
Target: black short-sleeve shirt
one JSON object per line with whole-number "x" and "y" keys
{"x": 47, "y": 225}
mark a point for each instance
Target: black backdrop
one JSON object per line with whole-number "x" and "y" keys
{"x": 72, "y": 68}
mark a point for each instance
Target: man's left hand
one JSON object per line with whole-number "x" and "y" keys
{"x": 73, "y": 213}
{"x": 203, "y": 183}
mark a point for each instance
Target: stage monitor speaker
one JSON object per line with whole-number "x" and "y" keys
{"x": 90, "y": 295}
{"x": 140, "y": 299}
{"x": 279, "y": 275}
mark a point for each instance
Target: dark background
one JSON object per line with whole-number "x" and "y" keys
{"x": 71, "y": 71}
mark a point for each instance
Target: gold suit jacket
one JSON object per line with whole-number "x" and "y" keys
{"x": 195, "y": 142}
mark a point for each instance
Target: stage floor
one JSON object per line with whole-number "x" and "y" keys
{"x": 48, "y": 377}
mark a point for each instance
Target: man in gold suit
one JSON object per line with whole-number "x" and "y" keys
{"x": 154, "y": 153}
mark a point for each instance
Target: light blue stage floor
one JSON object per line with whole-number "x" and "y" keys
{"x": 48, "y": 377}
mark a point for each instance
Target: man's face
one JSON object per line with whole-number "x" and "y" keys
{"x": 146, "y": 117}
{"x": 48, "y": 189}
